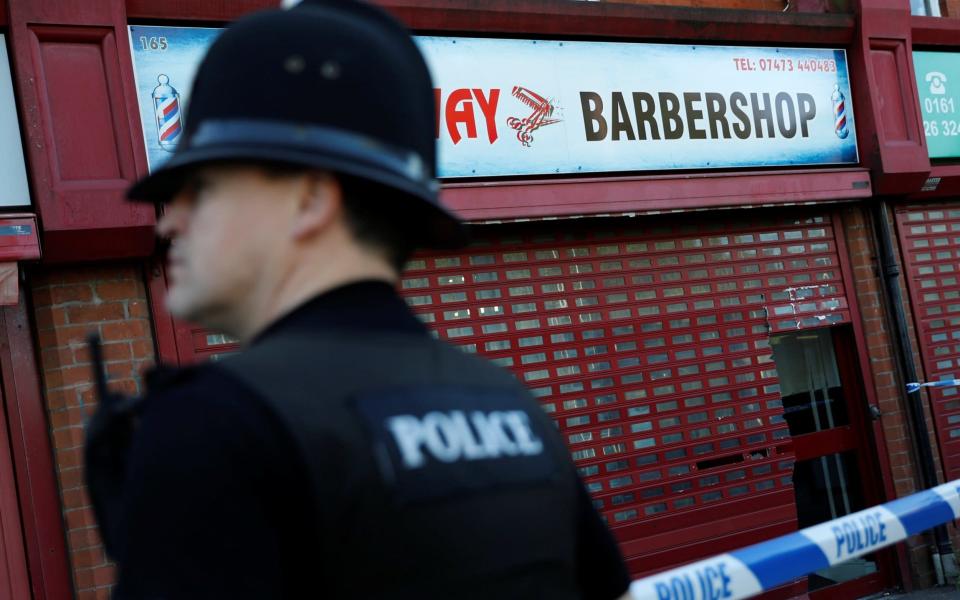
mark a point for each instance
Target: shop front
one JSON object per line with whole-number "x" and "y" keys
{"x": 702, "y": 367}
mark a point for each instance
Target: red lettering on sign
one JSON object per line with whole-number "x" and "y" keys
{"x": 489, "y": 109}
{"x": 463, "y": 115}
{"x": 458, "y": 110}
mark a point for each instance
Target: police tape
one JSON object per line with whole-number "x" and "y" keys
{"x": 764, "y": 566}
{"x": 915, "y": 386}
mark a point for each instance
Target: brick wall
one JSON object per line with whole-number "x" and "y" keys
{"x": 887, "y": 381}
{"x": 68, "y": 303}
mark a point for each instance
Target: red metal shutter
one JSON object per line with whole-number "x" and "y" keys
{"x": 649, "y": 346}
{"x": 930, "y": 243}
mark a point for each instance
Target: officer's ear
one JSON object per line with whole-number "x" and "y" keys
{"x": 320, "y": 205}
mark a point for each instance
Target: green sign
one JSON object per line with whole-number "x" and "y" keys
{"x": 938, "y": 81}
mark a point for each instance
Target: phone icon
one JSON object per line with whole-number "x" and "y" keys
{"x": 936, "y": 80}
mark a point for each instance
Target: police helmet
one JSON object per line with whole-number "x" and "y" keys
{"x": 336, "y": 85}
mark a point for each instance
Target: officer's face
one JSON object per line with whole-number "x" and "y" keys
{"x": 227, "y": 229}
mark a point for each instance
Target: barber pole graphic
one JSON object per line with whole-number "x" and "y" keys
{"x": 542, "y": 110}
{"x": 839, "y": 113}
{"x": 166, "y": 101}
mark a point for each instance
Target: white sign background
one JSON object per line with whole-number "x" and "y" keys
{"x": 561, "y": 70}
{"x": 13, "y": 171}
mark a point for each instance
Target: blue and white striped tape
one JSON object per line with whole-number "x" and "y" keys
{"x": 915, "y": 386}
{"x": 764, "y": 566}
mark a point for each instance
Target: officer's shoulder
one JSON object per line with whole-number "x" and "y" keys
{"x": 361, "y": 358}
{"x": 204, "y": 382}
{"x": 332, "y": 351}
{"x": 209, "y": 398}
{"x": 165, "y": 376}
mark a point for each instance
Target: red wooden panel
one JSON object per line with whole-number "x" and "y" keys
{"x": 594, "y": 195}
{"x": 636, "y": 21}
{"x": 890, "y": 128}
{"x": 838, "y": 439}
{"x": 73, "y": 72}
{"x": 564, "y": 18}
{"x": 14, "y": 579}
{"x": 194, "y": 10}
{"x": 29, "y": 442}
{"x": 930, "y": 242}
{"x": 79, "y": 105}
{"x": 649, "y": 345}
{"x": 935, "y": 31}
{"x": 896, "y": 120}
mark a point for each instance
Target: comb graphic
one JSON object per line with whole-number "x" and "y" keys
{"x": 540, "y": 117}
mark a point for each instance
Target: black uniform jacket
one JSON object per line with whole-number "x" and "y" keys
{"x": 220, "y": 502}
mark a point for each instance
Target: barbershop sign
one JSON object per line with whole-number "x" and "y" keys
{"x": 533, "y": 107}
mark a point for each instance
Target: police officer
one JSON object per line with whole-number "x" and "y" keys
{"x": 343, "y": 453}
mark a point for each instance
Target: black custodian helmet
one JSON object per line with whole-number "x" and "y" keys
{"x": 336, "y": 85}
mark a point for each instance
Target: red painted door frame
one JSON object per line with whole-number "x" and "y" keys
{"x": 164, "y": 326}
{"x": 14, "y": 578}
{"x": 871, "y": 449}
{"x": 26, "y": 417}
{"x": 873, "y": 432}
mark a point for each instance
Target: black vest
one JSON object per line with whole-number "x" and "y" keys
{"x": 435, "y": 474}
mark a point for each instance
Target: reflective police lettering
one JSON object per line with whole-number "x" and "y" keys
{"x": 859, "y": 534}
{"x": 472, "y": 450}
{"x": 519, "y": 424}
{"x": 707, "y": 583}
{"x": 409, "y": 435}
{"x": 448, "y": 436}
{"x": 492, "y": 434}
{"x": 441, "y": 437}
